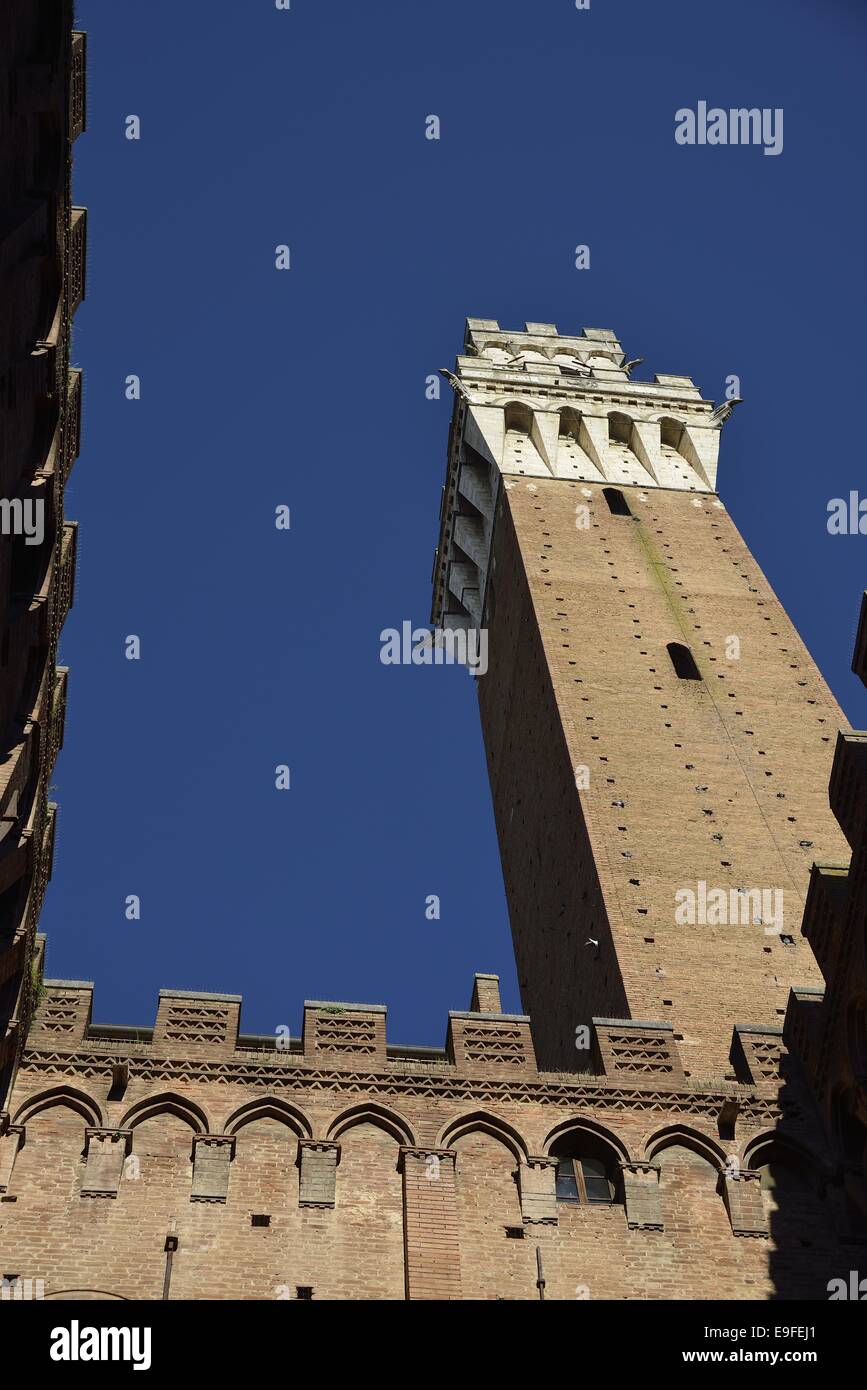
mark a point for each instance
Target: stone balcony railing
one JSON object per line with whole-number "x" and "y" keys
{"x": 72, "y": 440}
{"x": 78, "y": 86}
{"x": 57, "y": 716}
{"x": 77, "y": 258}
{"x": 66, "y": 576}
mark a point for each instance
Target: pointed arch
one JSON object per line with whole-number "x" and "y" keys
{"x": 620, "y": 427}
{"x": 569, "y": 423}
{"x": 495, "y": 345}
{"x": 671, "y": 433}
{"x": 578, "y": 1126}
{"x": 88, "y": 1296}
{"x": 61, "y": 1095}
{"x": 683, "y": 1136}
{"x": 377, "y": 1115}
{"x": 269, "y": 1108}
{"x": 488, "y": 1124}
{"x": 518, "y": 416}
{"x": 167, "y": 1103}
{"x": 771, "y": 1145}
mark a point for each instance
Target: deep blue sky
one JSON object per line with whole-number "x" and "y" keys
{"x": 307, "y": 388}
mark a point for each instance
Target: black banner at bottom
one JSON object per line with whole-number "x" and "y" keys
{"x": 59, "y": 1338}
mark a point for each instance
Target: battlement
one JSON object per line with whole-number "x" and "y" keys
{"x": 482, "y": 1040}
{"x": 591, "y": 363}
{"x": 539, "y": 349}
{"x": 190, "y": 1023}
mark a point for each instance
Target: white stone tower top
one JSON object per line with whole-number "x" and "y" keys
{"x": 538, "y": 404}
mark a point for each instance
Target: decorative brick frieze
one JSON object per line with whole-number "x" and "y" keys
{"x": 188, "y": 1021}
{"x": 344, "y": 1034}
{"x": 63, "y": 592}
{"x": 757, "y": 1054}
{"x": 550, "y": 1089}
{"x": 485, "y": 1042}
{"x": 63, "y": 1013}
{"x": 629, "y": 1045}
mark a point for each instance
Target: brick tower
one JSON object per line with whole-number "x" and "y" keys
{"x": 659, "y": 740}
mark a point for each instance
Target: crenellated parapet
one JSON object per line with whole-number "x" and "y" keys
{"x": 628, "y": 1064}
{"x": 339, "y": 1162}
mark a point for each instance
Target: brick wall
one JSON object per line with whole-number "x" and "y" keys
{"x": 722, "y": 780}
{"x": 396, "y": 1177}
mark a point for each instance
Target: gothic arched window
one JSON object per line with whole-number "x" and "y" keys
{"x": 586, "y": 1170}
{"x": 583, "y": 1180}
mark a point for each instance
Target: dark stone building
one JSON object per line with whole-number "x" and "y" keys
{"x": 42, "y": 281}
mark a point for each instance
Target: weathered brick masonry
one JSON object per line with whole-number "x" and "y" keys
{"x": 388, "y": 1172}
{"x": 721, "y": 779}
